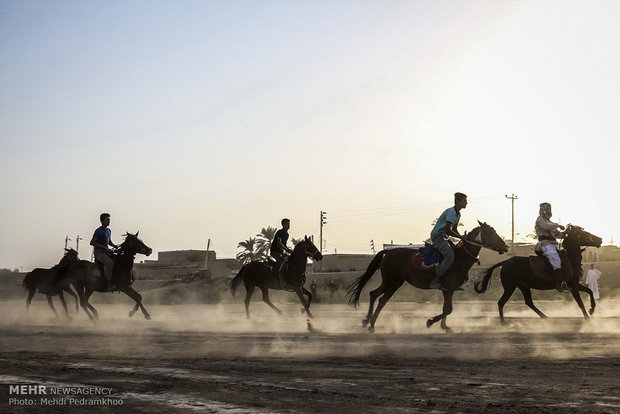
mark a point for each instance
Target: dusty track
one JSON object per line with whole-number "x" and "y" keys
{"x": 210, "y": 359}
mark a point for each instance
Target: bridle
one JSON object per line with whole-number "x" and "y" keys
{"x": 478, "y": 241}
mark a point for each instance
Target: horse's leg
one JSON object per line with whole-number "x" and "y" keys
{"x": 508, "y": 291}
{"x": 87, "y": 295}
{"x": 373, "y": 296}
{"x": 267, "y": 301}
{"x": 389, "y": 291}
{"x": 307, "y": 293}
{"x": 31, "y": 293}
{"x": 80, "y": 288}
{"x": 575, "y": 293}
{"x": 527, "y": 296}
{"x": 70, "y": 291}
{"x": 586, "y": 289}
{"x": 129, "y": 291}
{"x": 49, "y": 301}
{"x": 446, "y": 310}
{"x": 306, "y": 305}
{"x": 64, "y": 304}
{"x": 249, "y": 290}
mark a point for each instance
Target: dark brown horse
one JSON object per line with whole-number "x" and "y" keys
{"x": 397, "y": 268}
{"x": 87, "y": 277}
{"x": 260, "y": 274}
{"x": 517, "y": 273}
{"x": 50, "y": 283}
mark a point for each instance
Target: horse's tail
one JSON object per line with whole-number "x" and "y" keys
{"x": 482, "y": 285}
{"x": 29, "y": 282}
{"x": 235, "y": 282}
{"x": 355, "y": 288}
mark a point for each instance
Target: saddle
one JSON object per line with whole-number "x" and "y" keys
{"x": 427, "y": 259}
{"x": 542, "y": 268}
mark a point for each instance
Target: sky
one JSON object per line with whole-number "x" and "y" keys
{"x": 194, "y": 120}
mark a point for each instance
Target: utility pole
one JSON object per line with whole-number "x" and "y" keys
{"x": 207, "y": 255}
{"x": 77, "y": 243}
{"x": 323, "y": 222}
{"x": 512, "y": 199}
{"x": 372, "y": 246}
{"x": 67, "y": 239}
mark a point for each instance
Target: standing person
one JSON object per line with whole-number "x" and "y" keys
{"x": 333, "y": 287}
{"x": 313, "y": 287}
{"x": 592, "y": 281}
{"x": 277, "y": 249}
{"x": 102, "y": 238}
{"x": 548, "y": 232}
{"x": 446, "y": 227}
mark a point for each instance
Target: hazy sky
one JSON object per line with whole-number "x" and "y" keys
{"x": 190, "y": 120}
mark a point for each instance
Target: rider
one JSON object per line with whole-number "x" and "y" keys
{"x": 547, "y": 232}
{"x": 102, "y": 238}
{"x": 278, "y": 247}
{"x": 445, "y": 227}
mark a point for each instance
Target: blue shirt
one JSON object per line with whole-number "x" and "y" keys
{"x": 448, "y": 216}
{"x": 102, "y": 236}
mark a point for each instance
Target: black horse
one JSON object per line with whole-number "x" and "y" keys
{"x": 397, "y": 267}
{"x": 518, "y": 273}
{"x": 260, "y": 274}
{"x": 87, "y": 277}
{"x": 50, "y": 283}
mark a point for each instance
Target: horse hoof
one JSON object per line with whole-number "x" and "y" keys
{"x": 131, "y": 313}
{"x": 147, "y": 317}
{"x": 371, "y": 329}
{"x": 429, "y": 323}
{"x": 364, "y": 322}
{"x": 591, "y": 311}
{"x": 448, "y": 330}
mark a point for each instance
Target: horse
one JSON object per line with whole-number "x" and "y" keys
{"x": 517, "y": 273}
{"x": 259, "y": 274}
{"x": 87, "y": 277}
{"x": 397, "y": 267}
{"x": 47, "y": 282}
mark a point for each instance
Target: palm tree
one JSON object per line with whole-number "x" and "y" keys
{"x": 248, "y": 254}
{"x": 263, "y": 240}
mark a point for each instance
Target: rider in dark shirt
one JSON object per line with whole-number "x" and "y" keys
{"x": 100, "y": 242}
{"x": 278, "y": 247}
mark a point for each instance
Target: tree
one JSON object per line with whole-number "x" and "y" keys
{"x": 249, "y": 252}
{"x": 263, "y": 240}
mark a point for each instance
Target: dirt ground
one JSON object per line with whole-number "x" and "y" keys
{"x": 209, "y": 358}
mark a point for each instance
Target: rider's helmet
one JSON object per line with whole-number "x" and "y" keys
{"x": 545, "y": 210}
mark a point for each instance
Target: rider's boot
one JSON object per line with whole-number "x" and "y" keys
{"x": 560, "y": 284}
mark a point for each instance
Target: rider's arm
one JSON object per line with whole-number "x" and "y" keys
{"x": 452, "y": 231}
{"x": 282, "y": 245}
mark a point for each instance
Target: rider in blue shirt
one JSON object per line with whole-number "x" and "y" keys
{"x": 100, "y": 242}
{"x": 446, "y": 227}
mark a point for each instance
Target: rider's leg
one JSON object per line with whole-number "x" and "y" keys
{"x": 446, "y": 251}
{"x": 551, "y": 253}
{"x": 279, "y": 267}
{"x": 108, "y": 266}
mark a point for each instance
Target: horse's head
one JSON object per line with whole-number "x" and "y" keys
{"x": 582, "y": 237}
{"x": 70, "y": 257}
{"x": 488, "y": 238}
{"x": 310, "y": 249}
{"x": 133, "y": 245}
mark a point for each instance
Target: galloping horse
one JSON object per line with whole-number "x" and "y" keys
{"x": 517, "y": 273}
{"x": 397, "y": 267}
{"x": 259, "y": 274}
{"x": 87, "y": 277}
{"x": 48, "y": 282}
